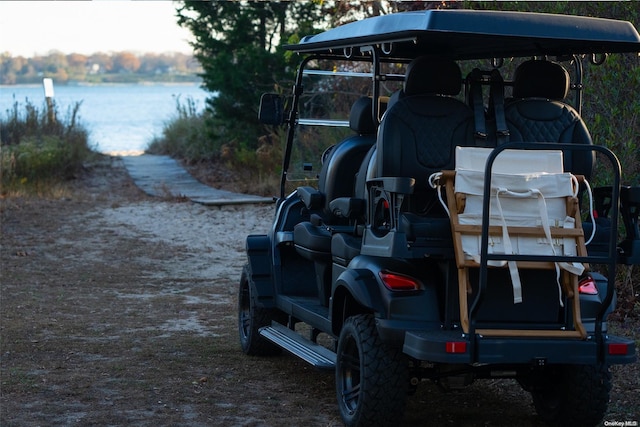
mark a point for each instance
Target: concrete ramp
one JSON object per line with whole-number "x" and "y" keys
{"x": 162, "y": 176}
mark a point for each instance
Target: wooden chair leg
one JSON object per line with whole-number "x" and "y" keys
{"x": 463, "y": 289}
{"x": 575, "y": 299}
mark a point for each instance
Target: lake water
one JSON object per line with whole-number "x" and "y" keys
{"x": 121, "y": 119}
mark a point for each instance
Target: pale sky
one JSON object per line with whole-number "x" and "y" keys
{"x": 37, "y": 27}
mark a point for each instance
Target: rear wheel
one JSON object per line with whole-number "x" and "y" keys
{"x": 371, "y": 378}
{"x": 251, "y": 318}
{"x": 574, "y": 395}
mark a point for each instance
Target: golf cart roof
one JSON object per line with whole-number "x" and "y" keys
{"x": 473, "y": 34}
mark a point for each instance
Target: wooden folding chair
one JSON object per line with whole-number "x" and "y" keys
{"x": 463, "y": 229}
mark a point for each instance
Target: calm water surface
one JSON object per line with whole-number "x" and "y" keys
{"x": 121, "y": 119}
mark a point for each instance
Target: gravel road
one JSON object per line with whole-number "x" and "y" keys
{"x": 120, "y": 309}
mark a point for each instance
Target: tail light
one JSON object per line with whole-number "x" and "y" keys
{"x": 587, "y": 286}
{"x": 618, "y": 349}
{"x": 456, "y": 347}
{"x": 399, "y": 282}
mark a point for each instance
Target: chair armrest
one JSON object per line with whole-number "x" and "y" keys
{"x": 312, "y": 198}
{"x": 630, "y": 196}
{"x": 630, "y": 210}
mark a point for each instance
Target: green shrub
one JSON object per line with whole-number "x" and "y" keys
{"x": 36, "y": 150}
{"x": 186, "y": 135}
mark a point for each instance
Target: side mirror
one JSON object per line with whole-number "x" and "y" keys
{"x": 271, "y": 110}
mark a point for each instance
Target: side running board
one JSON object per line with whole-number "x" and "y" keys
{"x": 312, "y": 353}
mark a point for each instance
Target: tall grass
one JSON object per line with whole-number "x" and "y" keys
{"x": 186, "y": 135}
{"x": 36, "y": 151}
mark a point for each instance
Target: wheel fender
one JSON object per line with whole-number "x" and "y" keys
{"x": 602, "y": 284}
{"x": 359, "y": 286}
{"x": 259, "y": 269}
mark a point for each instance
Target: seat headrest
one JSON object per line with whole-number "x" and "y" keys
{"x": 540, "y": 79}
{"x": 432, "y": 76}
{"x": 361, "y": 117}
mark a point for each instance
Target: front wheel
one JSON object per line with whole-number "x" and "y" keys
{"x": 251, "y": 318}
{"x": 371, "y": 378}
{"x": 574, "y": 395}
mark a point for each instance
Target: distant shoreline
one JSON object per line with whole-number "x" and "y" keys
{"x": 86, "y": 84}
{"x": 115, "y": 67}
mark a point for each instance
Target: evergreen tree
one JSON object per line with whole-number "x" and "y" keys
{"x": 238, "y": 45}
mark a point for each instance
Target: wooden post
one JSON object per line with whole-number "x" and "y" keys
{"x": 48, "y": 96}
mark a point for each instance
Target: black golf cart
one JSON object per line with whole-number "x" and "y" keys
{"x": 382, "y": 265}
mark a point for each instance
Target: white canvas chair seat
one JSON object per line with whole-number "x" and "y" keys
{"x": 521, "y": 245}
{"x": 519, "y": 200}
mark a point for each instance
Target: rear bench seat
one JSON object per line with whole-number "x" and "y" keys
{"x": 312, "y": 239}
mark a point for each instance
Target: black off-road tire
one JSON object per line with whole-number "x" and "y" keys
{"x": 574, "y": 395}
{"x": 371, "y": 379}
{"x": 251, "y": 318}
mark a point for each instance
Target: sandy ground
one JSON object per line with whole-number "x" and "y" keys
{"x": 119, "y": 309}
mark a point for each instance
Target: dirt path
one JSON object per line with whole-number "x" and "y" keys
{"x": 119, "y": 309}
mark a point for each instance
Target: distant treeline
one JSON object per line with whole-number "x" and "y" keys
{"x": 113, "y": 67}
